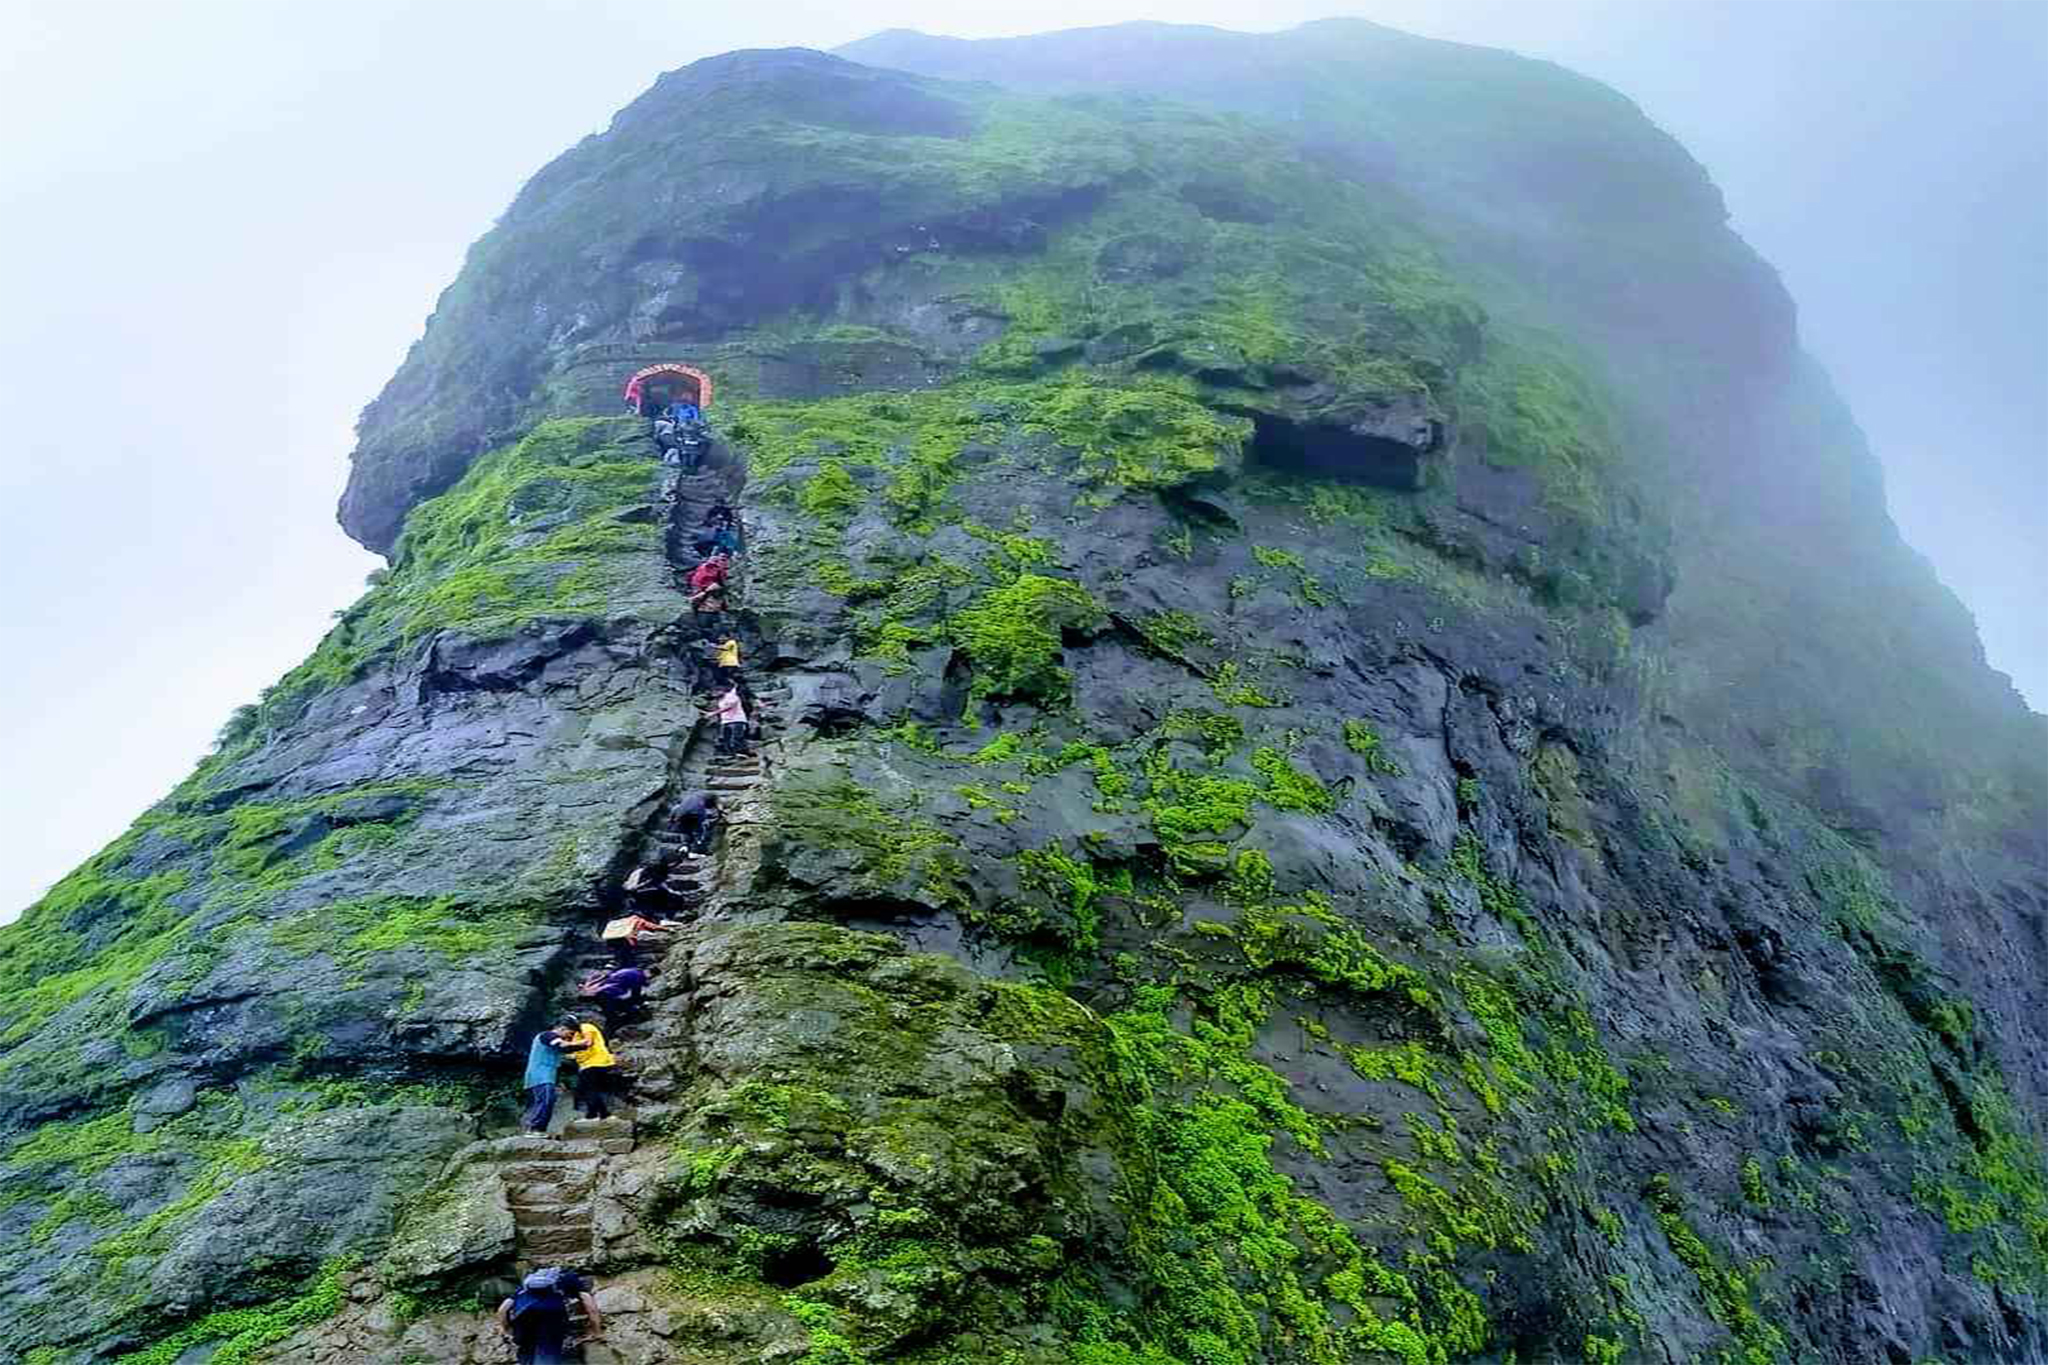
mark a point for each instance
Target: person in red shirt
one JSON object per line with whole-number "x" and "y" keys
{"x": 707, "y": 585}
{"x": 709, "y": 574}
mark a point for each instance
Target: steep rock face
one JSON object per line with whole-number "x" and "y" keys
{"x": 1312, "y": 804}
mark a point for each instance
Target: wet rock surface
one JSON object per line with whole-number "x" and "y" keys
{"x": 1287, "y": 822}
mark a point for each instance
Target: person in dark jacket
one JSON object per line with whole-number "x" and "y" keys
{"x": 659, "y": 890}
{"x": 697, "y": 817}
{"x": 536, "y": 1317}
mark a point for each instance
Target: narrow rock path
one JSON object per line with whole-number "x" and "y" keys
{"x": 555, "y": 1182}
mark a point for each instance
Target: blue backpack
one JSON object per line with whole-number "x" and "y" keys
{"x": 541, "y": 1293}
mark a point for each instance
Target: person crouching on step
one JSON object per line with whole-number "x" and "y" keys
{"x": 619, "y": 993}
{"x": 622, "y": 936}
{"x": 697, "y": 818}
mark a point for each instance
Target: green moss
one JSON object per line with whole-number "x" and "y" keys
{"x": 1310, "y": 939}
{"x": 1013, "y": 635}
{"x": 892, "y": 844}
{"x": 1073, "y": 886}
{"x": 1233, "y": 689}
{"x": 1135, "y": 433}
{"x": 1411, "y": 1063}
{"x": 530, "y": 531}
{"x": 1231, "y": 1260}
{"x": 1012, "y": 552}
{"x": 1729, "y": 1293}
{"x": 1536, "y": 408}
{"x": 831, "y": 496}
{"x": 1290, "y": 789}
{"x": 1364, "y": 741}
{"x": 1497, "y": 898}
{"x": 1186, "y": 808}
{"x": 236, "y": 1335}
{"x": 61, "y": 1166}
{"x": 1008, "y": 747}
{"x": 981, "y": 798}
{"x": 1753, "y": 1187}
{"x": 1307, "y": 586}
{"x": 1954, "y": 1019}
{"x": 251, "y": 859}
{"x": 1129, "y": 432}
{"x": 1854, "y": 891}
{"x": 1173, "y": 634}
{"x": 911, "y": 734}
{"x": 449, "y": 927}
{"x": 1573, "y": 1061}
{"x": 1217, "y": 731}
{"x": 1996, "y": 1186}
{"x": 94, "y": 935}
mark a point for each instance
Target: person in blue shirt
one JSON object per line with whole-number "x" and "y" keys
{"x": 683, "y": 412}
{"x": 543, "y": 1064}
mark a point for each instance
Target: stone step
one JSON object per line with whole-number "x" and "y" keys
{"x": 543, "y": 1172}
{"x": 543, "y": 1242}
{"x": 538, "y": 1147}
{"x": 531, "y": 1218}
{"x": 544, "y": 1201}
{"x": 597, "y": 1128}
{"x": 547, "y": 1194}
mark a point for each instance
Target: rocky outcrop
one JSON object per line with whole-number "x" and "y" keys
{"x": 1308, "y": 807}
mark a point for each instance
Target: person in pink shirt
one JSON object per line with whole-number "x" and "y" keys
{"x": 732, "y": 723}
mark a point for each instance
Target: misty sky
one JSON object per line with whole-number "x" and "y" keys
{"x": 222, "y": 222}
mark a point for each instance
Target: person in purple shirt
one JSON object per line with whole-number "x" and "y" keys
{"x": 618, "y": 993}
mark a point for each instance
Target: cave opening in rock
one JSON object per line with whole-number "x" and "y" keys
{"x": 1327, "y": 451}
{"x": 788, "y": 1267}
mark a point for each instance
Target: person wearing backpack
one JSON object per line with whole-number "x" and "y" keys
{"x": 537, "y": 1316}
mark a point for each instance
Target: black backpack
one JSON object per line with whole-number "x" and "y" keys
{"x": 541, "y": 1293}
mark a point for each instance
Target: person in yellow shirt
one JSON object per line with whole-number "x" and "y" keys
{"x": 597, "y": 1070}
{"x": 725, "y": 660}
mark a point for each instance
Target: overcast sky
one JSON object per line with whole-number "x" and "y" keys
{"x": 223, "y": 221}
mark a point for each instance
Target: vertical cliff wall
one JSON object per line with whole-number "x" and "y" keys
{"x": 1352, "y": 770}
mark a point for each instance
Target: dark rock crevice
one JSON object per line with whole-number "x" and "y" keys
{"x": 1355, "y": 452}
